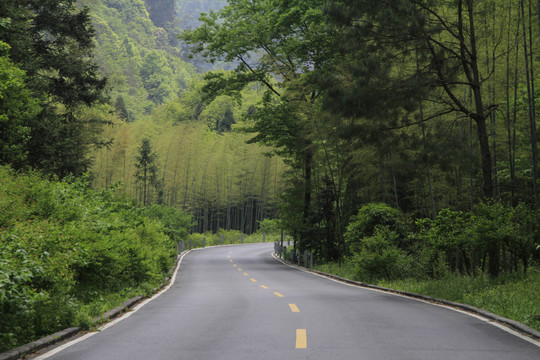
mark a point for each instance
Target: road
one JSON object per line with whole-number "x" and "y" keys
{"x": 238, "y": 302}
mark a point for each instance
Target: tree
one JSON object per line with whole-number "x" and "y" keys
{"x": 442, "y": 38}
{"x": 225, "y": 123}
{"x": 17, "y": 107}
{"x": 147, "y": 170}
{"x": 52, "y": 41}
{"x": 121, "y": 110}
{"x": 276, "y": 44}
{"x": 157, "y": 77}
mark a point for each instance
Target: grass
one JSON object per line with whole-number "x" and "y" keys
{"x": 513, "y": 296}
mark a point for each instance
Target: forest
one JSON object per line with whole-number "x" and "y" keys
{"x": 393, "y": 138}
{"x": 421, "y": 105}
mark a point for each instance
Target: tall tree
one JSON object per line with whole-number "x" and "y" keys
{"x": 147, "y": 171}
{"x": 52, "y": 41}
{"x": 443, "y": 36}
{"x": 274, "y": 43}
{"x": 17, "y": 107}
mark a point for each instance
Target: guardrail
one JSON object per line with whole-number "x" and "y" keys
{"x": 304, "y": 259}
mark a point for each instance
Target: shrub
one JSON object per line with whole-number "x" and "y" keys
{"x": 470, "y": 242}
{"x": 175, "y": 222}
{"x": 270, "y": 226}
{"x": 380, "y": 258}
{"x": 369, "y": 217}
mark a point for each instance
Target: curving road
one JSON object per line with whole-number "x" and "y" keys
{"x": 237, "y": 302}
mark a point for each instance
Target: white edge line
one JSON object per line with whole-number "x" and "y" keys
{"x": 477, "y": 316}
{"x": 65, "y": 346}
{"x": 117, "y": 320}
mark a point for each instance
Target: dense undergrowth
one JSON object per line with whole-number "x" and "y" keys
{"x": 69, "y": 253}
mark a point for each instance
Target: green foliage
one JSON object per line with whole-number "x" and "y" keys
{"x": 175, "y": 222}
{"x": 52, "y": 42}
{"x": 270, "y": 226}
{"x": 67, "y": 252}
{"x": 17, "y": 107}
{"x": 138, "y": 57}
{"x": 147, "y": 170}
{"x": 157, "y": 77}
{"x": 379, "y": 257}
{"x": 230, "y": 237}
{"x": 454, "y": 242}
{"x": 371, "y": 217}
{"x": 464, "y": 238}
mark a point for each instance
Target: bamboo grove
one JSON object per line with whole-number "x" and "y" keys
{"x": 222, "y": 181}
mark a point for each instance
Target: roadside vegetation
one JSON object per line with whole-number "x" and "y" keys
{"x": 269, "y": 231}
{"x": 69, "y": 253}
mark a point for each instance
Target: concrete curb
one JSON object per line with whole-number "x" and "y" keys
{"x": 34, "y": 346}
{"x": 111, "y": 314}
{"x": 512, "y": 324}
{"x": 26, "y": 349}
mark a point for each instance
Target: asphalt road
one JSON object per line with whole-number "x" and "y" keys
{"x": 237, "y": 302}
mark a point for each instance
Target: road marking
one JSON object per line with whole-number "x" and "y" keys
{"x": 230, "y": 260}
{"x": 301, "y": 339}
{"x": 294, "y": 308}
{"x": 279, "y": 294}
{"x": 239, "y": 269}
{"x": 264, "y": 286}
{"x": 234, "y": 265}
{"x": 253, "y": 280}
{"x": 230, "y": 252}
{"x": 246, "y": 274}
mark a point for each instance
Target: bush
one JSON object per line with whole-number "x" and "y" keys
{"x": 270, "y": 226}
{"x": 492, "y": 239}
{"x": 380, "y": 258}
{"x": 368, "y": 219}
{"x": 175, "y": 222}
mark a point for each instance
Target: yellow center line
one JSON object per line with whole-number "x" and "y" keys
{"x": 253, "y": 280}
{"x": 246, "y": 274}
{"x": 239, "y": 269}
{"x": 301, "y": 339}
{"x": 294, "y": 308}
{"x": 234, "y": 265}
{"x": 264, "y": 286}
{"x": 230, "y": 260}
{"x": 279, "y": 294}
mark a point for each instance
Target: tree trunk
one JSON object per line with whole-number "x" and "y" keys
{"x": 471, "y": 167}
{"x": 481, "y": 128}
{"x": 432, "y": 211}
{"x": 530, "y": 94}
{"x": 534, "y": 140}
{"x": 308, "y": 163}
{"x": 494, "y": 259}
{"x": 394, "y": 180}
